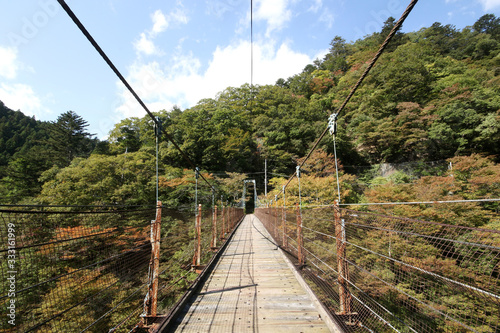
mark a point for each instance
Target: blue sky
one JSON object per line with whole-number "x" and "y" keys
{"x": 177, "y": 52}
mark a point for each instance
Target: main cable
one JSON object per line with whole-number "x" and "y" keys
{"x": 124, "y": 81}
{"x": 252, "y": 92}
{"x": 395, "y": 29}
{"x": 251, "y": 47}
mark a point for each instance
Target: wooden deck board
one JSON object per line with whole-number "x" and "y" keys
{"x": 252, "y": 289}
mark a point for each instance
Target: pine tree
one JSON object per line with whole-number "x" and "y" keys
{"x": 69, "y": 138}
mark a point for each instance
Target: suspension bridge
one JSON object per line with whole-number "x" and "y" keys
{"x": 286, "y": 267}
{"x": 100, "y": 269}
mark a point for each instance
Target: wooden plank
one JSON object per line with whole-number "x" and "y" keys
{"x": 252, "y": 288}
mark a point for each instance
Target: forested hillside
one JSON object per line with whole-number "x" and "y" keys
{"x": 433, "y": 95}
{"x": 29, "y": 147}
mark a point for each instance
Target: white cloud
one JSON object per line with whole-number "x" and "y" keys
{"x": 327, "y": 18}
{"x": 18, "y": 96}
{"x": 162, "y": 86}
{"x": 316, "y": 6}
{"x": 22, "y": 97}
{"x": 160, "y": 23}
{"x": 179, "y": 16}
{"x": 145, "y": 45}
{"x": 184, "y": 80}
{"x": 490, "y": 4}
{"x": 275, "y": 12}
{"x": 8, "y": 62}
{"x": 283, "y": 64}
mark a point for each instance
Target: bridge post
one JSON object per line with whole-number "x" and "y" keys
{"x": 197, "y": 252}
{"x": 283, "y": 223}
{"x": 150, "y": 305}
{"x": 343, "y": 275}
{"x": 233, "y": 217}
{"x": 276, "y": 233}
{"x": 214, "y": 229}
{"x": 300, "y": 239}
{"x": 223, "y": 213}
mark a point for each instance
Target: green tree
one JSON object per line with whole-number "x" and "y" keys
{"x": 126, "y": 136}
{"x": 69, "y": 138}
{"x": 402, "y": 76}
{"x": 485, "y": 46}
{"x": 488, "y": 24}
{"x": 23, "y": 173}
{"x": 336, "y": 58}
{"x": 444, "y": 38}
{"x": 300, "y": 84}
{"x": 126, "y": 179}
{"x": 177, "y": 188}
{"x": 398, "y": 39}
{"x": 232, "y": 185}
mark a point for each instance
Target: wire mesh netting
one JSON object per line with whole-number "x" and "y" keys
{"x": 69, "y": 270}
{"x": 211, "y": 232}
{"x": 87, "y": 269}
{"x": 381, "y": 273}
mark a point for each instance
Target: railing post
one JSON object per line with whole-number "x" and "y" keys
{"x": 223, "y": 213}
{"x": 197, "y": 252}
{"x": 300, "y": 239}
{"x": 340, "y": 238}
{"x": 151, "y": 303}
{"x": 214, "y": 229}
{"x": 198, "y": 258}
{"x": 283, "y": 218}
{"x": 276, "y": 234}
{"x": 283, "y": 223}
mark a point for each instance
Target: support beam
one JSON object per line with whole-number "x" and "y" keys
{"x": 300, "y": 238}
{"x": 151, "y": 302}
{"x": 213, "y": 244}
{"x": 197, "y": 250}
{"x": 343, "y": 269}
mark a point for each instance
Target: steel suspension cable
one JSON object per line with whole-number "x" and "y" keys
{"x": 125, "y": 82}
{"x": 395, "y": 29}
{"x": 251, "y": 47}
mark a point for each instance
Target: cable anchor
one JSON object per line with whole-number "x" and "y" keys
{"x": 158, "y": 127}
{"x": 332, "y": 123}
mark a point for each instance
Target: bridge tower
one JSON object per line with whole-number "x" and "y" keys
{"x": 245, "y": 182}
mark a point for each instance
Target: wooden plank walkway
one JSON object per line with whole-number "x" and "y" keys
{"x": 251, "y": 289}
